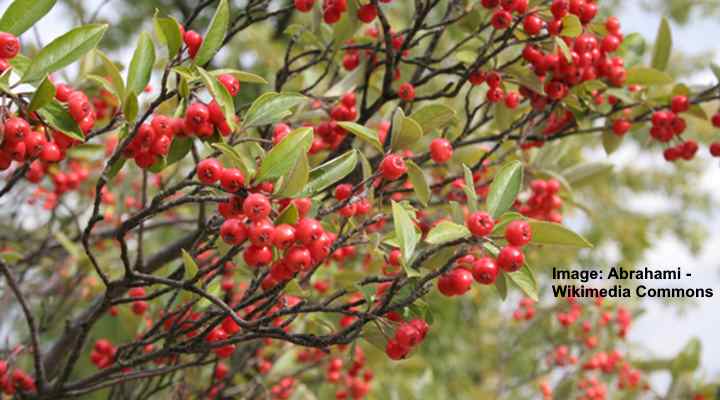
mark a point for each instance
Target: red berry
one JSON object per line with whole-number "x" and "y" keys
{"x": 621, "y": 126}
{"x": 441, "y": 150}
{"x": 232, "y": 180}
{"x": 518, "y": 233}
{"x": 688, "y": 149}
{"x": 233, "y": 231}
{"x": 298, "y": 258}
{"x": 715, "y": 149}
{"x": 716, "y": 120}
{"x": 533, "y": 24}
{"x": 9, "y": 45}
{"x": 257, "y": 207}
{"x": 396, "y": 351}
{"x": 407, "y": 335}
{"x": 485, "y": 270}
{"x": 209, "y": 171}
{"x": 480, "y": 223}
{"x": 501, "y": 19}
{"x": 510, "y": 259}
{"x": 406, "y": 91}
{"x": 255, "y": 256}
{"x": 231, "y": 84}
{"x": 392, "y": 167}
{"x": 679, "y": 104}
{"x": 261, "y": 233}
{"x": 304, "y": 5}
{"x": 308, "y": 230}
{"x": 283, "y": 236}
{"x": 421, "y": 326}
{"x": 343, "y": 191}
{"x": 367, "y": 13}
{"x": 193, "y": 41}
{"x": 16, "y": 129}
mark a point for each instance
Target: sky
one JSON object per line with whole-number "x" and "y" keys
{"x": 663, "y": 331}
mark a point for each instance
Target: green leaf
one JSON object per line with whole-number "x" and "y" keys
{"x": 281, "y": 158}
{"x": 501, "y": 286}
{"x": 688, "y": 359}
{"x": 555, "y": 234}
{"x": 446, "y": 231}
{"x": 572, "y": 27}
{"x": 405, "y": 131}
{"x": 131, "y": 106}
{"x": 21, "y": 15}
{"x": 230, "y": 153}
{"x": 55, "y": 115}
{"x": 213, "y": 39}
{"x": 141, "y": 64}
{"x": 241, "y": 76}
{"x": 19, "y": 64}
{"x": 297, "y": 179}
{"x": 405, "y": 232}
{"x": 103, "y": 84}
{"x": 647, "y": 77}
{"x": 456, "y": 212}
{"x": 191, "y": 267}
{"x": 434, "y": 116}
{"x": 564, "y": 49}
{"x": 419, "y": 183}
{"x": 178, "y": 150}
{"x": 505, "y": 188}
{"x": 64, "y": 50}
{"x": 503, "y": 117}
{"x": 271, "y": 107}
{"x": 525, "y": 280}
{"x": 348, "y": 24}
{"x": 525, "y": 77}
{"x": 221, "y": 95}
{"x": 168, "y": 31}
{"x": 44, "y": 94}
{"x": 469, "y": 189}
{"x": 331, "y": 172}
{"x": 365, "y": 134}
{"x": 583, "y": 172}
{"x": 112, "y": 72}
{"x": 611, "y": 141}
{"x": 663, "y": 46}
{"x": 290, "y": 215}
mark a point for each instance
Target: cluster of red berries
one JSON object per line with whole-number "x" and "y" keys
{"x": 138, "y": 306}
{"x": 544, "y": 202}
{"x": 153, "y": 140}
{"x": 10, "y": 383}
{"x": 202, "y": 120}
{"x": 484, "y": 270}
{"x": 354, "y": 207}
{"x": 525, "y": 310}
{"x": 495, "y": 93}
{"x": 332, "y": 9}
{"x": 588, "y": 57}
{"x": 610, "y": 361}
{"x": 353, "y": 384}
{"x": 211, "y": 171}
{"x": 283, "y": 389}
{"x": 504, "y": 9}
{"x": 407, "y": 336}
{"x": 103, "y": 354}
